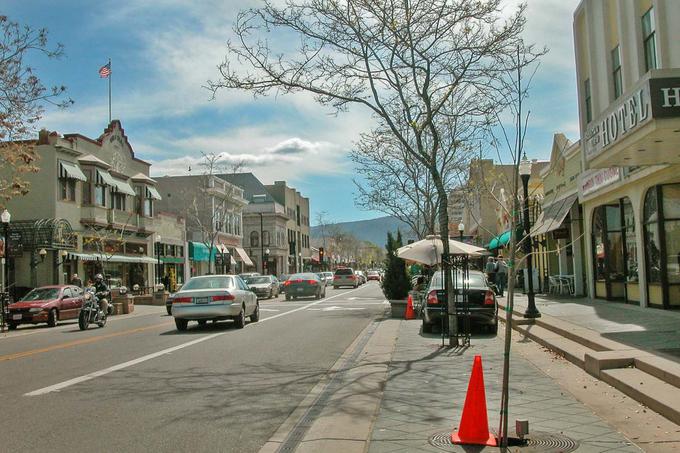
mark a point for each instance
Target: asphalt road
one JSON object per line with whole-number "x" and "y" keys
{"x": 139, "y": 385}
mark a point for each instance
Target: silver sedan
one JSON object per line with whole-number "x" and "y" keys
{"x": 215, "y": 297}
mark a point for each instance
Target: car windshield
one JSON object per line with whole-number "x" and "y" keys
{"x": 303, "y": 277}
{"x": 344, "y": 272}
{"x": 41, "y": 294}
{"x": 256, "y": 280}
{"x": 475, "y": 279}
{"x": 207, "y": 283}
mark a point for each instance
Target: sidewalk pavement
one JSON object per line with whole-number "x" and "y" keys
{"x": 426, "y": 387}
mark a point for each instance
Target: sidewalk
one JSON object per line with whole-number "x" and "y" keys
{"x": 426, "y": 387}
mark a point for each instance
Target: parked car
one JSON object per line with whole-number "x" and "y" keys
{"x": 49, "y": 304}
{"x": 328, "y": 276}
{"x": 373, "y": 275}
{"x": 248, "y": 274}
{"x": 215, "y": 297}
{"x": 344, "y": 276}
{"x": 481, "y": 302}
{"x": 264, "y": 286}
{"x": 361, "y": 276}
{"x": 282, "y": 281}
{"x": 305, "y": 285}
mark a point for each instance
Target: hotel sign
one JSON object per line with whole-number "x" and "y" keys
{"x": 654, "y": 98}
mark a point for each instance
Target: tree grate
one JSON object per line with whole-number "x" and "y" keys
{"x": 536, "y": 442}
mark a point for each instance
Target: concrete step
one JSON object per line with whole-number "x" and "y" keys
{"x": 571, "y": 350}
{"x": 660, "y": 367}
{"x": 649, "y": 390}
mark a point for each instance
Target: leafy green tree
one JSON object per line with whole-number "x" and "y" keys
{"x": 396, "y": 283}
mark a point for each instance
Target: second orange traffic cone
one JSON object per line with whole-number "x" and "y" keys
{"x": 410, "y": 314}
{"x": 474, "y": 424}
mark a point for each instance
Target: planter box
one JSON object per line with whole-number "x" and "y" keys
{"x": 146, "y": 299}
{"x": 117, "y": 308}
{"x": 159, "y": 298}
{"x": 398, "y": 308}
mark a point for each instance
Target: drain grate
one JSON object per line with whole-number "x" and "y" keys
{"x": 537, "y": 441}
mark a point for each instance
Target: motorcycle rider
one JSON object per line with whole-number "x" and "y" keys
{"x": 102, "y": 292}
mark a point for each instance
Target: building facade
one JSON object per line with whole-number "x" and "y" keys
{"x": 91, "y": 209}
{"x": 264, "y": 226}
{"x": 213, "y": 209}
{"x": 628, "y": 74}
{"x": 297, "y": 226}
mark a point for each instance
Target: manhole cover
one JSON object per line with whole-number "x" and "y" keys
{"x": 536, "y": 442}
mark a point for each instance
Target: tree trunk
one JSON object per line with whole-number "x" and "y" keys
{"x": 443, "y": 213}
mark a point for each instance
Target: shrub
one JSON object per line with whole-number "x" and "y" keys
{"x": 396, "y": 283}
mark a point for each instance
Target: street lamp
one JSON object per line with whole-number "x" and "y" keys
{"x": 262, "y": 239}
{"x": 461, "y": 229}
{"x": 158, "y": 258}
{"x": 265, "y": 264}
{"x": 300, "y": 261}
{"x": 525, "y": 174}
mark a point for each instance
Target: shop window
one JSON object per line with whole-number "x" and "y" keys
{"x": 631, "y": 246}
{"x": 672, "y": 235}
{"x": 649, "y": 39}
{"x": 616, "y": 71}
{"x": 652, "y": 239}
{"x": 67, "y": 189}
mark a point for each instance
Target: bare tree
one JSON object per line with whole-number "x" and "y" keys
{"x": 417, "y": 65}
{"x": 22, "y": 97}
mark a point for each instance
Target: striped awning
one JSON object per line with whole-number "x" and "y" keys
{"x": 152, "y": 192}
{"x": 104, "y": 178}
{"x": 70, "y": 170}
{"x": 123, "y": 187}
{"x": 244, "y": 256}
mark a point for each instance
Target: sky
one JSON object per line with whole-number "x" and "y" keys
{"x": 164, "y": 51}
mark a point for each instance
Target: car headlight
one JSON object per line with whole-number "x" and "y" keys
{"x": 35, "y": 310}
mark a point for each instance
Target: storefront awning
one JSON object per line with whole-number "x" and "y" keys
{"x": 152, "y": 192}
{"x": 112, "y": 258}
{"x": 553, "y": 215}
{"x": 172, "y": 260}
{"x": 123, "y": 187}
{"x": 71, "y": 170}
{"x": 198, "y": 251}
{"x": 499, "y": 241}
{"x": 244, "y": 256}
{"x": 105, "y": 179}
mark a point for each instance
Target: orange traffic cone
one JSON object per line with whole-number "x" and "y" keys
{"x": 410, "y": 314}
{"x": 474, "y": 424}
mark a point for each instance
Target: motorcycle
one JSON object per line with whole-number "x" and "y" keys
{"x": 91, "y": 312}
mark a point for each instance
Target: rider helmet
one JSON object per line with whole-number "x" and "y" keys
{"x": 99, "y": 277}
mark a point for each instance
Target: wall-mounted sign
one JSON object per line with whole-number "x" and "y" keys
{"x": 594, "y": 180}
{"x": 561, "y": 233}
{"x": 653, "y": 98}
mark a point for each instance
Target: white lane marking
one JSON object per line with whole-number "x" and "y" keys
{"x": 120, "y": 366}
{"x": 268, "y": 309}
{"x": 336, "y": 308}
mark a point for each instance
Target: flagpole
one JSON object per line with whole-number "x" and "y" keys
{"x": 110, "y": 73}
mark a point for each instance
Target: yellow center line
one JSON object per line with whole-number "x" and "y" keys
{"x": 70, "y": 344}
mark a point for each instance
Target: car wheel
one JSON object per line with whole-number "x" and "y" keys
{"x": 52, "y": 318}
{"x": 240, "y": 319}
{"x": 335, "y": 287}
{"x": 287, "y": 297}
{"x": 256, "y": 314}
{"x": 271, "y": 294}
{"x": 181, "y": 324}
{"x": 202, "y": 322}
{"x": 427, "y": 328}
{"x": 493, "y": 329}
{"x": 12, "y": 326}
{"x": 168, "y": 308}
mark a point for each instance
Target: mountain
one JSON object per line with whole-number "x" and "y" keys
{"x": 374, "y": 230}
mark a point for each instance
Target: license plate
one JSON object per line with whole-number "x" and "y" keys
{"x": 202, "y": 300}
{"x": 16, "y": 317}
{"x": 300, "y": 290}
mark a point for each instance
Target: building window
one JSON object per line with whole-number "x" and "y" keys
{"x": 254, "y": 239}
{"x": 649, "y": 39}
{"x": 588, "y": 101}
{"x": 616, "y": 72}
{"x": 118, "y": 201}
{"x": 87, "y": 187}
{"x": 265, "y": 238}
{"x": 148, "y": 207}
{"x": 100, "y": 195}
{"x": 67, "y": 189}
{"x": 662, "y": 244}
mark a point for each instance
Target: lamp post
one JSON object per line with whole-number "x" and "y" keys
{"x": 525, "y": 174}
{"x": 158, "y": 258}
{"x": 461, "y": 229}
{"x": 265, "y": 262}
{"x": 300, "y": 262}
{"x": 262, "y": 240}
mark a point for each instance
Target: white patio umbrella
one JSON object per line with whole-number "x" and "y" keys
{"x": 429, "y": 250}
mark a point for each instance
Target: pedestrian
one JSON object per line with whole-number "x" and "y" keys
{"x": 76, "y": 281}
{"x": 490, "y": 270}
{"x": 501, "y": 274}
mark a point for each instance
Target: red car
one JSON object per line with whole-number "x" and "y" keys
{"x": 373, "y": 275}
{"x": 49, "y": 304}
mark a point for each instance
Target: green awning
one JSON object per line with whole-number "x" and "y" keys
{"x": 198, "y": 251}
{"x": 172, "y": 259}
{"x": 499, "y": 241}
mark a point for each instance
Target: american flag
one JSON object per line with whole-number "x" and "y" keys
{"x": 105, "y": 71}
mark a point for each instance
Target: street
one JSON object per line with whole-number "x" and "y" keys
{"x": 139, "y": 385}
